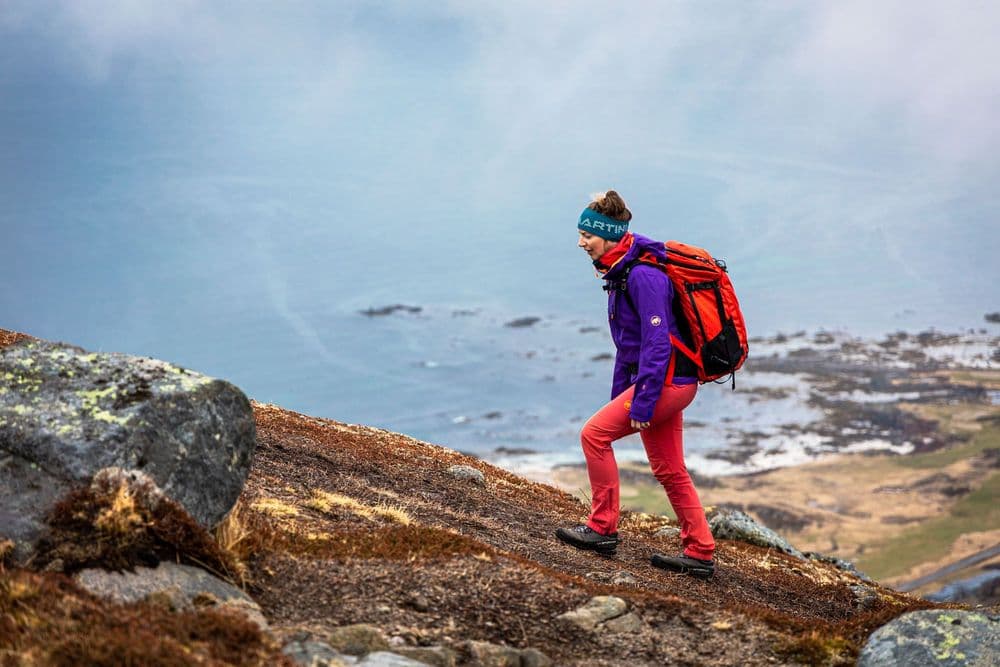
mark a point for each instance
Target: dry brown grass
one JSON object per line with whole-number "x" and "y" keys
{"x": 324, "y": 501}
{"x": 116, "y": 527}
{"x": 46, "y": 620}
{"x": 274, "y": 507}
{"x": 407, "y": 543}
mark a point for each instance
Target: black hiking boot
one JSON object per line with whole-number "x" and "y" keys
{"x": 696, "y": 567}
{"x": 585, "y": 537}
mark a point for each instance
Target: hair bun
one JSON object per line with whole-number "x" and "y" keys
{"x": 598, "y": 197}
{"x": 611, "y": 204}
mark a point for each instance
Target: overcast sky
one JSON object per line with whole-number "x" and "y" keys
{"x": 788, "y": 134}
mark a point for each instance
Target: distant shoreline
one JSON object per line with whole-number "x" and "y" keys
{"x": 866, "y": 394}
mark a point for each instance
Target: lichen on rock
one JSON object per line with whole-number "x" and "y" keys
{"x": 737, "y": 525}
{"x": 65, "y": 414}
{"x": 946, "y": 637}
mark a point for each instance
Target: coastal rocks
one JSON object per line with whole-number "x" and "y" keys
{"x": 737, "y": 525}
{"x": 597, "y": 611}
{"x": 389, "y": 310}
{"x": 66, "y": 414}
{"x": 468, "y": 473}
{"x": 522, "y": 322}
{"x": 181, "y": 587}
{"x": 948, "y": 638}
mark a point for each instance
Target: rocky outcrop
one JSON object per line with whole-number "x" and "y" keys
{"x": 944, "y": 637}
{"x": 737, "y": 525}
{"x": 66, "y": 414}
{"x": 181, "y": 587}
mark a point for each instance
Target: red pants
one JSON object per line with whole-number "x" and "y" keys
{"x": 664, "y": 443}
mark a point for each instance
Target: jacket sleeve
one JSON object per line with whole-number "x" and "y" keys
{"x": 651, "y": 292}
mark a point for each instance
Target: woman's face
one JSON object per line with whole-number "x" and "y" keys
{"x": 594, "y": 246}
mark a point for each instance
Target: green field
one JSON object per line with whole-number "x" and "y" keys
{"x": 932, "y": 540}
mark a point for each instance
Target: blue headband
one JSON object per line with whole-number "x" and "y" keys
{"x": 601, "y": 225}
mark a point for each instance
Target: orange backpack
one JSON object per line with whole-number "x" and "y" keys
{"x": 707, "y": 312}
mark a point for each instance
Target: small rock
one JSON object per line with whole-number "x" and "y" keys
{"x": 627, "y": 624}
{"x": 492, "y": 655}
{"x": 597, "y": 610}
{"x": 419, "y": 602}
{"x": 437, "y": 656}
{"x": 387, "y": 659}
{"x": 668, "y": 533}
{"x": 945, "y": 637}
{"x": 175, "y": 586}
{"x": 396, "y": 641}
{"x": 623, "y": 578}
{"x": 865, "y": 597}
{"x": 357, "y": 639}
{"x": 468, "y": 473}
{"x": 532, "y": 657}
{"x": 316, "y": 654}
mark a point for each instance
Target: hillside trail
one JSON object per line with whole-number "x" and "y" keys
{"x": 392, "y": 537}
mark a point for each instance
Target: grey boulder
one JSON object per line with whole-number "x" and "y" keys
{"x": 941, "y": 637}
{"x": 66, "y": 414}
{"x": 183, "y": 587}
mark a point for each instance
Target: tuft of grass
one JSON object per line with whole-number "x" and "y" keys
{"x": 121, "y": 516}
{"x": 324, "y": 501}
{"x": 6, "y": 549}
{"x": 817, "y": 648}
{"x": 275, "y": 507}
{"x": 119, "y": 525}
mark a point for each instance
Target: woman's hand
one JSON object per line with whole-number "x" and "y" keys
{"x": 639, "y": 425}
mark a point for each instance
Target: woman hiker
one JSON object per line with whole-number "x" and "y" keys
{"x": 644, "y": 396}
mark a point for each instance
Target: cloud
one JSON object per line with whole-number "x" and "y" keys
{"x": 931, "y": 66}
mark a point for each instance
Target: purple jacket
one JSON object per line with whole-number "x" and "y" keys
{"x": 642, "y": 338}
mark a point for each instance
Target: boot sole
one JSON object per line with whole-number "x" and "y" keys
{"x": 699, "y": 572}
{"x": 599, "y": 549}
